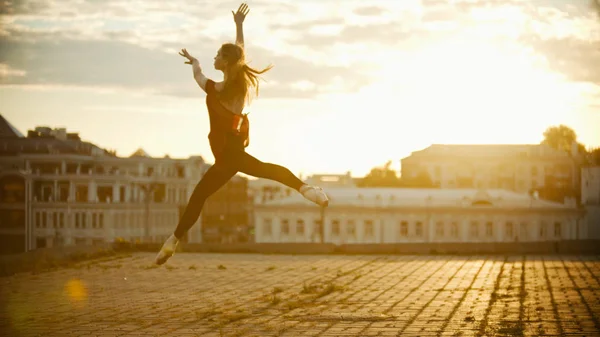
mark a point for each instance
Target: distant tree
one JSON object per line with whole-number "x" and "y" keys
{"x": 421, "y": 180}
{"x": 557, "y": 186}
{"x": 383, "y": 176}
{"x": 561, "y": 138}
{"x": 594, "y": 157}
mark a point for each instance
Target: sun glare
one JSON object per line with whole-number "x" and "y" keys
{"x": 461, "y": 83}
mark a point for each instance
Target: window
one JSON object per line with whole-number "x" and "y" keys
{"x": 557, "y": 229}
{"x": 77, "y": 220}
{"x": 317, "y": 226}
{"x": 55, "y": 220}
{"x": 419, "y": 229}
{"x": 489, "y": 229}
{"x": 44, "y": 219}
{"x": 542, "y": 230}
{"x": 285, "y": 226}
{"x": 38, "y": 222}
{"x": 403, "y": 229}
{"x": 369, "y": 230}
{"x": 267, "y": 229}
{"x": 83, "y": 220}
{"x": 101, "y": 220}
{"x": 61, "y": 220}
{"x": 474, "y": 232}
{"x": 94, "y": 216}
{"x": 509, "y": 229}
{"x": 351, "y": 229}
{"x": 335, "y": 227}
{"x": 439, "y": 229}
{"x": 300, "y": 227}
{"x": 454, "y": 229}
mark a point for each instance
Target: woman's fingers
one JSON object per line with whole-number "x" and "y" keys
{"x": 185, "y": 54}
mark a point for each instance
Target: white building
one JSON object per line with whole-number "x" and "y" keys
{"x": 519, "y": 168}
{"x": 58, "y": 190}
{"x": 263, "y": 190}
{"x": 393, "y": 215}
{"x": 331, "y": 180}
{"x": 590, "y": 198}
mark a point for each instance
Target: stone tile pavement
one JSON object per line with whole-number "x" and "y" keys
{"x": 308, "y": 295}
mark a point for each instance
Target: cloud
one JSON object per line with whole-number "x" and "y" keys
{"x": 7, "y": 71}
{"x": 577, "y": 59}
{"x": 54, "y": 59}
{"x": 116, "y": 43}
{"x": 12, "y": 7}
{"x": 369, "y": 11}
{"x": 306, "y": 25}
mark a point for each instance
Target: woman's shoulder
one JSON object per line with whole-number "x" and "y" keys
{"x": 219, "y": 86}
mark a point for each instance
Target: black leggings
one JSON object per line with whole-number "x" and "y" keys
{"x": 225, "y": 167}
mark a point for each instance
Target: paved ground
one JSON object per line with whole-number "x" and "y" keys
{"x": 277, "y": 295}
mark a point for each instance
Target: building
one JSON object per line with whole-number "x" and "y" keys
{"x": 59, "y": 190}
{"x": 331, "y": 180}
{"x": 262, "y": 190}
{"x": 590, "y": 198}
{"x": 225, "y": 215}
{"x": 519, "y": 168}
{"x": 395, "y": 215}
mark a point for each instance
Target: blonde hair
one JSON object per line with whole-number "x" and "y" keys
{"x": 240, "y": 76}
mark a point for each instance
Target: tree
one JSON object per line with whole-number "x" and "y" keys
{"x": 383, "y": 176}
{"x": 561, "y": 138}
{"x": 421, "y": 180}
{"x": 594, "y": 157}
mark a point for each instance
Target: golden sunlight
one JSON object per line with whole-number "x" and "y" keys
{"x": 464, "y": 82}
{"x": 76, "y": 291}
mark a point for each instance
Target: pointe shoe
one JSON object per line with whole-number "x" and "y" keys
{"x": 315, "y": 194}
{"x": 167, "y": 250}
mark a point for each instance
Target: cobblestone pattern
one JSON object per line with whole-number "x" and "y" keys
{"x": 286, "y": 295}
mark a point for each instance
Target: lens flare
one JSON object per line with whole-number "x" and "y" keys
{"x": 76, "y": 291}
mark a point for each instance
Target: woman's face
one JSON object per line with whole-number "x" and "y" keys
{"x": 220, "y": 63}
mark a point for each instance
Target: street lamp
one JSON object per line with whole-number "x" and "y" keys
{"x": 322, "y": 225}
{"x": 148, "y": 189}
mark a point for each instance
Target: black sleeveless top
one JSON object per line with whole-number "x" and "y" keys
{"x": 226, "y": 127}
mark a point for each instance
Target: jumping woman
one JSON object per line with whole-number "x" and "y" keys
{"x": 228, "y": 136}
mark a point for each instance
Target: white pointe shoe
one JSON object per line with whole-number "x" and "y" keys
{"x": 167, "y": 250}
{"x": 315, "y": 194}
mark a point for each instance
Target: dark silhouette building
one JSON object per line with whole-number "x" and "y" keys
{"x": 225, "y": 214}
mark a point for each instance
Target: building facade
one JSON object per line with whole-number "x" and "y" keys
{"x": 590, "y": 198}
{"x": 396, "y": 215}
{"x": 59, "y": 190}
{"x": 225, "y": 215}
{"x": 519, "y": 168}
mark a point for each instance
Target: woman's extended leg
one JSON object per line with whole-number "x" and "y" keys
{"x": 215, "y": 177}
{"x": 254, "y": 167}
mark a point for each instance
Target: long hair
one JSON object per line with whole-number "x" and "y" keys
{"x": 240, "y": 76}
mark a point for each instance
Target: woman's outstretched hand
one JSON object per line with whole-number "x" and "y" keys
{"x": 241, "y": 13}
{"x": 187, "y": 55}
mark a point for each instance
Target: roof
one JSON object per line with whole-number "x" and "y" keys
{"x": 488, "y": 150}
{"x": 7, "y": 130}
{"x": 140, "y": 153}
{"x": 50, "y": 145}
{"x": 419, "y": 197}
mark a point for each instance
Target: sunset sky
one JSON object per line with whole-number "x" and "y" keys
{"x": 354, "y": 83}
